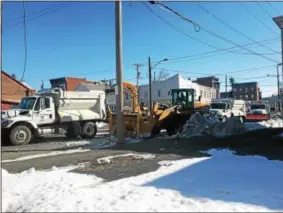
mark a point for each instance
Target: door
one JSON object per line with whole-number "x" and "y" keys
{"x": 44, "y": 111}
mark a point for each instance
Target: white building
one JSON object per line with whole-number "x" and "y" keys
{"x": 161, "y": 90}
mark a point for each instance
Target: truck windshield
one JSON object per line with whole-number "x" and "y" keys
{"x": 218, "y": 106}
{"x": 258, "y": 106}
{"x": 27, "y": 103}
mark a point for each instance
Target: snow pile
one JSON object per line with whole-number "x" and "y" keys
{"x": 205, "y": 125}
{"x": 197, "y": 125}
{"x": 272, "y": 123}
{"x": 231, "y": 126}
{"x": 224, "y": 182}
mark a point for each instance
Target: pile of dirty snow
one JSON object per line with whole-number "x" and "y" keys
{"x": 223, "y": 182}
{"x": 272, "y": 123}
{"x": 205, "y": 125}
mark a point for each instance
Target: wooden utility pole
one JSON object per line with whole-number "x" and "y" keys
{"x": 226, "y": 83}
{"x": 119, "y": 72}
{"x": 1, "y": 20}
{"x": 149, "y": 82}
{"x": 138, "y": 77}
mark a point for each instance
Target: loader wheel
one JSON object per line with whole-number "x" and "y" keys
{"x": 155, "y": 131}
{"x": 89, "y": 130}
{"x": 20, "y": 135}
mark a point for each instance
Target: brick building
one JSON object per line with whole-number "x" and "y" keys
{"x": 69, "y": 83}
{"x": 212, "y": 82}
{"x": 246, "y": 91}
{"x": 12, "y": 91}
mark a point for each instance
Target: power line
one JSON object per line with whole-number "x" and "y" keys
{"x": 186, "y": 34}
{"x": 185, "y": 58}
{"x": 35, "y": 12}
{"x": 257, "y": 18}
{"x": 276, "y": 11}
{"x": 233, "y": 43}
{"x": 235, "y": 30}
{"x": 40, "y": 15}
{"x": 223, "y": 73}
{"x": 262, "y": 8}
{"x": 25, "y": 49}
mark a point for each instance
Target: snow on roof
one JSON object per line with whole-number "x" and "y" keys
{"x": 28, "y": 86}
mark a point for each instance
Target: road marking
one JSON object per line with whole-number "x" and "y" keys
{"x": 29, "y": 157}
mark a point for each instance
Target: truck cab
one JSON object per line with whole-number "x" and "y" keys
{"x": 226, "y": 108}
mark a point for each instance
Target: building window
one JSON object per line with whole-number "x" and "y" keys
{"x": 159, "y": 93}
{"x": 235, "y": 90}
{"x": 146, "y": 94}
{"x": 246, "y": 89}
{"x": 252, "y": 89}
{"x": 252, "y": 96}
{"x": 247, "y": 97}
{"x": 241, "y": 97}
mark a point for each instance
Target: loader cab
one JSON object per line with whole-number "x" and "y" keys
{"x": 183, "y": 97}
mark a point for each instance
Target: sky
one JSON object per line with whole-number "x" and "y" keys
{"x": 77, "y": 39}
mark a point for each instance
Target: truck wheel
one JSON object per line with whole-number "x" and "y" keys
{"x": 89, "y": 130}
{"x": 20, "y": 135}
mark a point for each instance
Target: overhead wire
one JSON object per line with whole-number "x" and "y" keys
{"x": 248, "y": 10}
{"x": 262, "y": 8}
{"x": 276, "y": 11}
{"x": 198, "y": 40}
{"x": 235, "y": 30}
{"x": 25, "y": 50}
{"x": 231, "y": 42}
{"x": 36, "y": 12}
{"x": 38, "y": 16}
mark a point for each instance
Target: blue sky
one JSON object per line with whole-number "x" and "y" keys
{"x": 79, "y": 40}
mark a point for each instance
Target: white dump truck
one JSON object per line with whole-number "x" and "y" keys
{"x": 52, "y": 111}
{"x": 226, "y": 108}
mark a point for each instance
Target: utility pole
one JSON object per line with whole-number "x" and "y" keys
{"x": 154, "y": 77}
{"x": 226, "y": 83}
{"x": 278, "y": 89}
{"x": 149, "y": 83}
{"x": 119, "y": 72}
{"x": 138, "y": 77}
{"x": 1, "y": 19}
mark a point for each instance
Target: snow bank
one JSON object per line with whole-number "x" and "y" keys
{"x": 204, "y": 125}
{"x": 224, "y": 182}
{"x": 272, "y": 123}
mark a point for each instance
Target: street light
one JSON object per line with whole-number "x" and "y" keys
{"x": 279, "y": 21}
{"x": 150, "y": 82}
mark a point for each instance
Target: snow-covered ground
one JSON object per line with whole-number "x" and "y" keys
{"x": 223, "y": 182}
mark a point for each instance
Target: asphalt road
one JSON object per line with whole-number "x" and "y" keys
{"x": 256, "y": 143}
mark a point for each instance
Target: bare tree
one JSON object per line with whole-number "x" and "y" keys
{"x": 162, "y": 75}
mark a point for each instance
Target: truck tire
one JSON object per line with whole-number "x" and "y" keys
{"x": 89, "y": 130}
{"x": 20, "y": 135}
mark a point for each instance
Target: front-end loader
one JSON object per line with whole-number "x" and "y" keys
{"x": 171, "y": 118}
